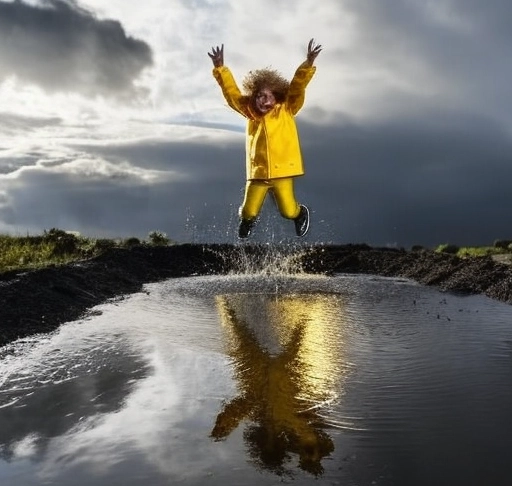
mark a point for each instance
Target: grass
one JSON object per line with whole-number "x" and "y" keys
{"x": 481, "y": 251}
{"x": 57, "y": 247}
{"x": 24, "y": 252}
{"x": 473, "y": 251}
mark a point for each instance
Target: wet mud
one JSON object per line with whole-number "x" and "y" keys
{"x": 39, "y": 301}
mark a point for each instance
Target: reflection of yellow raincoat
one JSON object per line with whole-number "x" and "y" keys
{"x": 272, "y": 145}
{"x": 288, "y": 361}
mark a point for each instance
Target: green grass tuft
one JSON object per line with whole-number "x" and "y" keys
{"x": 57, "y": 247}
{"x": 472, "y": 251}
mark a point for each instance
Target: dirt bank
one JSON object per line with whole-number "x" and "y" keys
{"x": 39, "y": 301}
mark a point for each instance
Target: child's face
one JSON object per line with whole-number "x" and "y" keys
{"x": 264, "y": 101}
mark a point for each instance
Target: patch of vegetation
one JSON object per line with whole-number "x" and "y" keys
{"x": 157, "y": 238}
{"x": 503, "y": 244}
{"x": 447, "y": 248}
{"x": 131, "y": 242}
{"x": 480, "y": 251}
{"x": 499, "y": 247}
{"x": 57, "y": 247}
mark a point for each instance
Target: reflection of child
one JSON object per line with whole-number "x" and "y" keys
{"x": 273, "y": 156}
{"x": 279, "y": 382}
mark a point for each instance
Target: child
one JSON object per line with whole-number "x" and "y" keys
{"x": 273, "y": 156}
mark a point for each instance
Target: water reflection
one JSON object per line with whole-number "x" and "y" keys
{"x": 344, "y": 380}
{"x": 286, "y": 366}
{"x": 67, "y": 391}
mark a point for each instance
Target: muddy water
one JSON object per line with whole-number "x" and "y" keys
{"x": 249, "y": 380}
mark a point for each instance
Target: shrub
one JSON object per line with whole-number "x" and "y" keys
{"x": 504, "y": 244}
{"x": 158, "y": 238}
{"x": 131, "y": 242}
{"x": 103, "y": 244}
{"x": 448, "y": 248}
{"x": 64, "y": 243}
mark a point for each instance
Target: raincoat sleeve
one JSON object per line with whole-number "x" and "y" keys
{"x": 230, "y": 90}
{"x": 297, "y": 89}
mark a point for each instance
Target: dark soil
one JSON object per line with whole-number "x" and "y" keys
{"x": 39, "y": 301}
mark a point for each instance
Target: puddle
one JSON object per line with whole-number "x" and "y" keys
{"x": 258, "y": 379}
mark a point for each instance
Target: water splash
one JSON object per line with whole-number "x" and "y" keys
{"x": 220, "y": 228}
{"x": 268, "y": 260}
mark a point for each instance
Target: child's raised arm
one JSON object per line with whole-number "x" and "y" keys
{"x": 217, "y": 56}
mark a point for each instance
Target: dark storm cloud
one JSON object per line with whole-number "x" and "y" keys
{"x": 63, "y": 47}
{"x": 199, "y": 204}
{"x": 199, "y": 159}
{"x": 442, "y": 176}
{"x": 437, "y": 29}
{"x": 437, "y": 178}
{"x": 463, "y": 44}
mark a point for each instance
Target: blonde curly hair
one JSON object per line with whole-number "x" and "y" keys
{"x": 266, "y": 78}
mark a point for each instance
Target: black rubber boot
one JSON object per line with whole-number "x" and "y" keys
{"x": 302, "y": 221}
{"x": 246, "y": 225}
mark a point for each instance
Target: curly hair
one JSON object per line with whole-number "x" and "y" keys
{"x": 266, "y": 78}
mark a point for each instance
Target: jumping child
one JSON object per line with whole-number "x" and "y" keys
{"x": 273, "y": 155}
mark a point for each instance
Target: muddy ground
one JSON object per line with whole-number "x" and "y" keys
{"x": 39, "y": 301}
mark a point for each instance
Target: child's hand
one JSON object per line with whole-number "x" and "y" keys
{"x": 313, "y": 51}
{"x": 217, "y": 56}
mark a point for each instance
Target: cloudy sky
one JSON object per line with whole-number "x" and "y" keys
{"x": 111, "y": 123}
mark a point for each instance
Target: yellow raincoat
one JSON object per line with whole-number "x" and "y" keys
{"x": 272, "y": 143}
